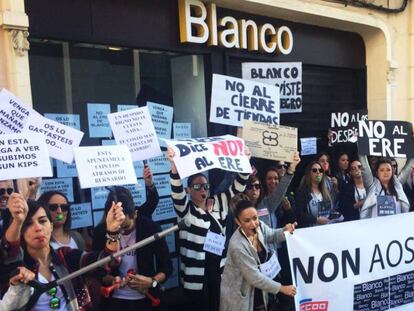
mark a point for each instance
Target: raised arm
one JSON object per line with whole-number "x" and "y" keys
{"x": 405, "y": 171}
{"x": 152, "y": 194}
{"x": 367, "y": 176}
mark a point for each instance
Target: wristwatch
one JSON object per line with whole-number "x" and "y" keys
{"x": 154, "y": 283}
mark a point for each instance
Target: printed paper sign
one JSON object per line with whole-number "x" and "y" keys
{"x": 108, "y": 142}
{"x": 385, "y": 138}
{"x": 23, "y": 155}
{"x": 273, "y": 142}
{"x": 134, "y": 128}
{"x": 13, "y": 113}
{"x": 308, "y": 146}
{"x": 60, "y": 139}
{"x": 64, "y": 185}
{"x": 161, "y": 116}
{"x": 98, "y": 120}
{"x": 355, "y": 265}
{"x": 65, "y": 169}
{"x": 126, "y": 107}
{"x": 164, "y": 210}
{"x": 182, "y": 130}
{"x": 98, "y": 196}
{"x": 97, "y": 217}
{"x": 162, "y": 183}
{"x": 286, "y": 76}
{"x": 81, "y": 215}
{"x": 100, "y": 166}
{"x": 138, "y": 192}
{"x": 139, "y": 169}
{"x": 344, "y": 125}
{"x": 234, "y": 100}
{"x": 71, "y": 120}
{"x": 159, "y": 165}
{"x": 201, "y": 154}
{"x": 169, "y": 238}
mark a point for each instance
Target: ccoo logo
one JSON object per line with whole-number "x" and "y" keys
{"x": 309, "y": 305}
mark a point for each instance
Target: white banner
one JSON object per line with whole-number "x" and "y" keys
{"x": 234, "y": 100}
{"x": 201, "y": 154}
{"x": 286, "y": 76}
{"x": 100, "y": 166}
{"x": 358, "y": 265}
{"x": 135, "y": 129}
{"x": 23, "y": 155}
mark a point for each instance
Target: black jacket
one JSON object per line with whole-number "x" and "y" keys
{"x": 346, "y": 201}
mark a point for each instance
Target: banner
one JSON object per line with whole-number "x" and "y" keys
{"x": 100, "y": 166}
{"x": 358, "y": 265}
{"x": 234, "y": 100}
{"x": 385, "y": 138}
{"x": 344, "y": 125}
{"x": 286, "y": 76}
{"x": 23, "y": 155}
{"x": 13, "y": 113}
{"x": 201, "y": 154}
{"x": 135, "y": 129}
{"x": 273, "y": 142}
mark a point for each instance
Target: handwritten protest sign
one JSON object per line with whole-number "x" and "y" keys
{"x": 100, "y": 166}
{"x": 81, "y": 215}
{"x": 60, "y": 139}
{"x": 161, "y": 116}
{"x": 202, "y": 154}
{"x": 385, "y": 138}
{"x": 308, "y": 146}
{"x": 234, "y": 100}
{"x": 71, "y": 120}
{"x": 98, "y": 121}
{"x": 273, "y": 142}
{"x": 13, "y": 113}
{"x": 286, "y": 76}
{"x": 344, "y": 125}
{"x": 64, "y": 185}
{"x": 23, "y": 155}
{"x": 135, "y": 129}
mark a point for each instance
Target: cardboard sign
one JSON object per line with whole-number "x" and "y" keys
{"x": 100, "y": 166}
{"x": 286, "y": 76}
{"x": 23, "y": 155}
{"x": 98, "y": 120}
{"x": 134, "y": 128}
{"x": 71, "y": 120}
{"x": 234, "y": 100}
{"x": 385, "y": 138}
{"x": 308, "y": 146}
{"x": 165, "y": 210}
{"x": 64, "y": 185}
{"x": 60, "y": 139}
{"x": 273, "y": 142}
{"x": 13, "y": 113}
{"x": 355, "y": 265}
{"x": 182, "y": 130}
{"x": 344, "y": 125}
{"x": 81, "y": 215}
{"x": 201, "y": 154}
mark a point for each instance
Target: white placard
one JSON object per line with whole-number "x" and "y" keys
{"x": 23, "y": 155}
{"x": 234, "y": 100}
{"x": 135, "y": 129}
{"x": 13, "y": 113}
{"x": 60, "y": 139}
{"x": 308, "y": 146}
{"x": 100, "y": 166}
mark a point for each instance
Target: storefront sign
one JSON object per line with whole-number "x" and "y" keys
{"x": 199, "y": 24}
{"x": 356, "y": 265}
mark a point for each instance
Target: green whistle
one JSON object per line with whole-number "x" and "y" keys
{"x": 60, "y": 217}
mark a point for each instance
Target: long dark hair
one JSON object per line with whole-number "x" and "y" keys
{"x": 241, "y": 206}
{"x": 391, "y": 184}
{"x": 44, "y": 201}
{"x": 264, "y": 189}
{"x": 34, "y": 206}
{"x": 123, "y": 195}
{"x": 306, "y": 182}
{"x": 252, "y": 179}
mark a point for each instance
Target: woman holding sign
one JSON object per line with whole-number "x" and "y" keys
{"x": 251, "y": 266}
{"x": 385, "y": 191}
{"x": 202, "y": 245}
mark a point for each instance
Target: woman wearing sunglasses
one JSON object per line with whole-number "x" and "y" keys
{"x": 314, "y": 201}
{"x": 62, "y": 235}
{"x": 202, "y": 254}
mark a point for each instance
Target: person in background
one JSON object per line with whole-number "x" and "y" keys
{"x": 342, "y": 171}
{"x": 331, "y": 182}
{"x": 244, "y": 286}
{"x": 6, "y": 189}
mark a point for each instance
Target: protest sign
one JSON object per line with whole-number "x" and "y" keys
{"x": 138, "y": 192}
{"x": 308, "y": 146}
{"x": 23, "y": 155}
{"x": 182, "y": 130}
{"x": 273, "y": 142}
{"x": 385, "y": 138}
{"x": 98, "y": 197}
{"x": 161, "y": 116}
{"x": 64, "y": 185}
{"x": 234, "y": 100}
{"x": 81, "y": 215}
{"x": 344, "y": 125}
{"x": 100, "y": 166}
{"x": 134, "y": 128}
{"x": 162, "y": 183}
{"x": 13, "y": 113}
{"x": 356, "y": 265}
{"x": 201, "y": 154}
{"x": 164, "y": 210}
{"x": 159, "y": 165}
{"x": 71, "y": 120}
{"x": 126, "y": 107}
{"x": 98, "y": 120}
{"x": 65, "y": 169}
{"x": 60, "y": 139}
{"x": 286, "y": 76}
{"x": 97, "y": 217}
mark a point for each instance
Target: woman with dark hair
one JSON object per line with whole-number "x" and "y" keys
{"x": 385, "y": 191}
{"x": 62, "y": 235}
{"x": 245, "y": 284}
{"x": 342, "y": 169}
{"x": 314, "y": 201}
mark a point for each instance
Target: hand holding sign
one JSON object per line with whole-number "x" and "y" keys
{"x": 294, "y": 163}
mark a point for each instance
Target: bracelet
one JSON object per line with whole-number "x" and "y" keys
{"x": 113, "y": 237}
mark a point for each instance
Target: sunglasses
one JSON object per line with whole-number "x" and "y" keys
{"x": 198, "y": 187}
{"x": 255, "y": 186}
{"x": 317, "y": 170}
{"x": 4, "y": 190}
{"x": 356, "y": 167}
{"x": 54, "y": 302}
{"x": 63, "y": 207}
{"x": 280, "y": 166}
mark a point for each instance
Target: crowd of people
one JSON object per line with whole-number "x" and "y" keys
{"x": 232, "y": 254}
